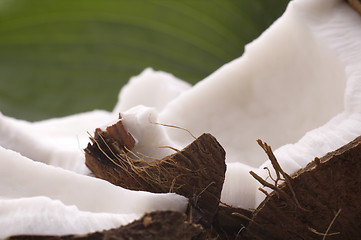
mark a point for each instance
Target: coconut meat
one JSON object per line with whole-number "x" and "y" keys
{"x": 296, "y": 87}
{"x": 22, "y": 178}
{"x": 43, "y": 216}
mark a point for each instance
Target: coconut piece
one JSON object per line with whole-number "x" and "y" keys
{"x": 196, "y": 172}
{"x": 22, "y": 178}
{"x": 160, "y": 225}
{"x": 44, "y": 216}
{"x": 319, "y": 76}
{"x": 317, "y": 202}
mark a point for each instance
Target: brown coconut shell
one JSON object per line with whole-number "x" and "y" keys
{"x": 321, "y": 201}
{"x": 196, "y": 172}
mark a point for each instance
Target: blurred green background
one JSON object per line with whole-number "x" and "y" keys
{"x": 62, "y": 57}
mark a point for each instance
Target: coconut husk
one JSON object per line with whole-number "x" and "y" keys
{"x": 161, "y": 225}
{"x": 196, "y": 172}
{"x": 230, "y": 221}
{"x": 321, "y": 201}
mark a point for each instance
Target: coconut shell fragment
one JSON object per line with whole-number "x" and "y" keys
{"x": 321, "y": 201}
{"x": 197, "y": 172}
{"x": 161, "y": 225}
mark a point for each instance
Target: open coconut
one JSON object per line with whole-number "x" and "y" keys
{"x": 297, "y": 87}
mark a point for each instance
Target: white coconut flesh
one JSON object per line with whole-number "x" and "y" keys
{"x": 297, "y": 87}
{"x": 42, "y": 215}
{"x": 23, "y": 181}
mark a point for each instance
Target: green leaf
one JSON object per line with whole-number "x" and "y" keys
{"x": 68, "y": 56}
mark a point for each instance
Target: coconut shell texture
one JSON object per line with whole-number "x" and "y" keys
{"x": 328, "y": 191}
{"x": 197, "y": 172}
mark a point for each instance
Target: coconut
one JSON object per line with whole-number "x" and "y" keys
{"x": 297, "y": 86}
{"x": 186, "y": 172}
